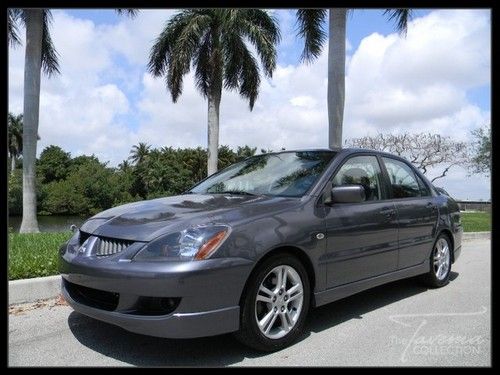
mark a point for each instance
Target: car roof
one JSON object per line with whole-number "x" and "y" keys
{"x": 346, "y": 150}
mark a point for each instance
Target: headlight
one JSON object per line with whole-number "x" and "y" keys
{"x": 195, "y": 243}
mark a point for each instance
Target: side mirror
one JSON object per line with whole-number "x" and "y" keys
{"x": 348, "y": 194}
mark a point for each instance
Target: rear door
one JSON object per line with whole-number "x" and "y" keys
{"x": 417, "y": 212}
{"x": 361, "y": 237}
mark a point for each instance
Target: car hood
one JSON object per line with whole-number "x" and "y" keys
{"x": 146, "y": 220}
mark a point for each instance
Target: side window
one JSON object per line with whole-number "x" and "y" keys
{"x": 403, "y": 181}
{"x": 424, "y": 190}
{"x": 364, "y": 171}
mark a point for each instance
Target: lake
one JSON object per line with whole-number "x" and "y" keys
{"x": 49, "y": 223}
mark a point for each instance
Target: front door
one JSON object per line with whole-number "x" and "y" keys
{"x": 362, "y": 238}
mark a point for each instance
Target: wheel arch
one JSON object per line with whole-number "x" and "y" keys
{"x": 290, "y": 250}
{"x": 448, "y": 234}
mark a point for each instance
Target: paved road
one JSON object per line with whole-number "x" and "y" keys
{"x": 401, "y": 323}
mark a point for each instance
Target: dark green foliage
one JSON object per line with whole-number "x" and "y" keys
{"x": 84, "y": 186}
{"x": 15, "y": 135}
{"x": 53, "y": 164}
{"x": 15, "y": 196}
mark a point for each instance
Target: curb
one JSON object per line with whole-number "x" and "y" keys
{"x": 31, "y": 290}
{"x": 466, "y": 236}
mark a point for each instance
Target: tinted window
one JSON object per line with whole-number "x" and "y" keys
{"x": 424, "y": 190}
{"x": 404, "y": 183}
{"x": 364, "y": 171}
{"x": 285, "y": 174}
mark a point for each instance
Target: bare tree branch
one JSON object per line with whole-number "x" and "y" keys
{"x": 425, "y": 150}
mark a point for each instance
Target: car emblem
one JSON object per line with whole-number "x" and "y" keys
{"x": 320, "y": 236}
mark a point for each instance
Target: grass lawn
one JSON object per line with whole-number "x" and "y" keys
{"x": 476, "y": 221}
{"x": 34, "y": 254}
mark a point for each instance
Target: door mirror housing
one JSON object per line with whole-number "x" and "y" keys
{"x": 348, "y": 194}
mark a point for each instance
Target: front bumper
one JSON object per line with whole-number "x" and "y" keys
{"x": 208, "y": 293}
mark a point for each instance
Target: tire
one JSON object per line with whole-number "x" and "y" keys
{"x": 440, "y": 257}
{"x": 288, "y": 308}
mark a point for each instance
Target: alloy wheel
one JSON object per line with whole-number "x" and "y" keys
{"x": 279, "y": 302}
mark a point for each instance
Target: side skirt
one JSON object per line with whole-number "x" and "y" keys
{"x": 342, "y": 291}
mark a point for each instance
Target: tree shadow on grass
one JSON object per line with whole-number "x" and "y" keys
{"x": 223, "y": 350}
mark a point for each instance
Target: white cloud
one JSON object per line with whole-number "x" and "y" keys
{"x": 105, "y": 101}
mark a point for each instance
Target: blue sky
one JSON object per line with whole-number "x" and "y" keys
{"x": 437, "y": 79}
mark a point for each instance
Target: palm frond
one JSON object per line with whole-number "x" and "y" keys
{"x": 233, "y": 47}
{"x": 13, "y": 16}
{"x": 311, "y": 29}
{"x": 202, "y": 64}
{"x": 262, "y": 30}
{"x": 249, "y": 78}
{"x": 131, "y": 12}
{"x": 400, "y": 17}
{"x": 176, "y": 47}
{"x": 50, "y": 64}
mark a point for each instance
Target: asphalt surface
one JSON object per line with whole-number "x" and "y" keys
{"x": 399, "y": 324}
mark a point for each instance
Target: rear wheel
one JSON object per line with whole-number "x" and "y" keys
{"x": 440, "y": 263}
{"x": 275, "y": 304}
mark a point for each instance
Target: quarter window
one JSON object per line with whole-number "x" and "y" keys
{"x": 364, "y": 171}
{"x": 404, "y": 183}
{"x": 424, "y": 190}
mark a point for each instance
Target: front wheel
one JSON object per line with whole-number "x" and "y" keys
{"x": 440, "y": 263}
{"x": 275, "y": 304}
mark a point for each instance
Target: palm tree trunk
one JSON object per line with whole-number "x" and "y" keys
{"x": 336, "y": 75}
{"x": 213, "y": 131}
{"x": 32, "y": 70}
{"x": 12, "y": 164}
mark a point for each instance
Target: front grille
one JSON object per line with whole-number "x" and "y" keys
{"x": 109, "y": 246}
{"x": 99, "y": 299}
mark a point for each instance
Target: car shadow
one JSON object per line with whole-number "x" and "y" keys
{"x": 355, "y": 306}
{"x": 223, "y": 350}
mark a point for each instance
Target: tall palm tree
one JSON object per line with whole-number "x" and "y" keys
{"x": 215, "y": 42}
{"x": 14, "y": 138}
{"x": 139, "y": 152}
{"x": 310, "y": 22}
{"x": 40, "y": 53}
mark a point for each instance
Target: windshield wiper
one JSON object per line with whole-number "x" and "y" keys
{"x": 235, "y": 192}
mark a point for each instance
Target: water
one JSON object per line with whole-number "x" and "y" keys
{"x": 49, "y": 223}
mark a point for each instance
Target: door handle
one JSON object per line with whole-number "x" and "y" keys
{"x": 432, "y": 206}
{"x": 388, "y": 212}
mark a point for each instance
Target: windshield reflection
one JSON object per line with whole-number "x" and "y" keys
{"x": 289, "y": 174}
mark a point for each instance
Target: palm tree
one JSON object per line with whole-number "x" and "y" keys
{"x": 310, "y": 22}
{"x": 139, "y": 152}
{"x": 215, "y": 41}
{"x": 40, "y": 53}
{"x": 14, "y": 138}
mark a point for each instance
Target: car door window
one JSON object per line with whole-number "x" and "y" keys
{"x": 364, "y": 171}
{"x": 424, "y": 190}
{"x": 403, "y": 181}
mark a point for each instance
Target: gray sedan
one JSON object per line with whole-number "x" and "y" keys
{"x": 252, "y": 248}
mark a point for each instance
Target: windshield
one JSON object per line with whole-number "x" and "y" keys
{"x": 288, "y": 174}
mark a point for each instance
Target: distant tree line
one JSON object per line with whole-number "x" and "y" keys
{"x": 83, "y": 185}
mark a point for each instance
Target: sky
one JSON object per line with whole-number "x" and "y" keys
{"x": 436, "y": 79}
